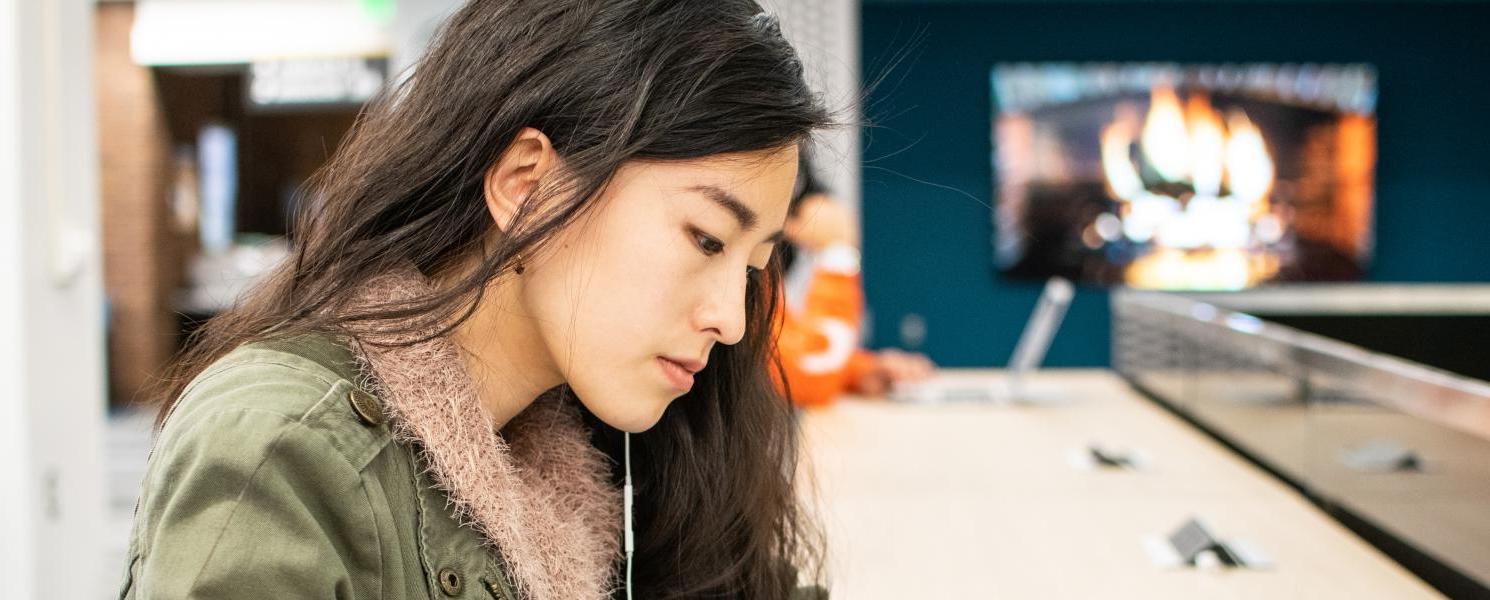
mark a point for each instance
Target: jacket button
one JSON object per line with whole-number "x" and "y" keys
{"x": 499, "y": 590}
{"x": 366, "y": 407}
{"x": 450, "y": 582}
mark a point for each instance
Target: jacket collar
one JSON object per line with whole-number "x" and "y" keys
{"x": 538, "y": 492}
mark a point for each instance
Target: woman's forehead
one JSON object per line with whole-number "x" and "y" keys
{"x": 762, "y": 182}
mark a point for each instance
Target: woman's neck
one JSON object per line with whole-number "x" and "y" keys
{"x": 503, "y": 353}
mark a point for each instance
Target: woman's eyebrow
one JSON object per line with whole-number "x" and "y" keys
{"x": 747, "y": 217}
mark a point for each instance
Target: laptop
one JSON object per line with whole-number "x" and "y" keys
{"x": 1029, "y": 352}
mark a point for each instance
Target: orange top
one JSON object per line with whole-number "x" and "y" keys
{"x": 819, "y": 348}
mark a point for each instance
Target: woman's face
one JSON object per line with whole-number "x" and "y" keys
{"x": 630, "y": 299}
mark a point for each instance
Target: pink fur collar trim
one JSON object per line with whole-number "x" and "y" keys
{"x": 539, "y": 492}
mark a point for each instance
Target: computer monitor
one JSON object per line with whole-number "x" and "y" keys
{"x": 1029, "y": 353}
{"x": 1049, "y": 312}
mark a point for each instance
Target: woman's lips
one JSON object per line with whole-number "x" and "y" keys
{"x": 678, "y": 373}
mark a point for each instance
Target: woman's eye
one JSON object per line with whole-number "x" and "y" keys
{"x": 708, "y": 245}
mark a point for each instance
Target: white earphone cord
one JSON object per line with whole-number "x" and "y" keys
{"x": 630, "y": 545}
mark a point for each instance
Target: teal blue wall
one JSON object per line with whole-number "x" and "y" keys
{"x": 928, "y": 180}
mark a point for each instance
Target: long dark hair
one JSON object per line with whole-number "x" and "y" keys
{"x": 608, "y": 81}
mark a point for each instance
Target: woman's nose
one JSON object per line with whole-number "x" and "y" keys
{"x": 723, "y": 311}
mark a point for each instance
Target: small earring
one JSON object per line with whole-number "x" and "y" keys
{"x": 518, "y": 267}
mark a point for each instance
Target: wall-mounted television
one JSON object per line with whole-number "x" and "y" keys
{"x": 1184, "y": 177}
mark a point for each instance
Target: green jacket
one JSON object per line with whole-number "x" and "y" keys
{"x": 277, "y": 477}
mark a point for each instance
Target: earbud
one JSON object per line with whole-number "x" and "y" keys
{"x": 630, "y": 540}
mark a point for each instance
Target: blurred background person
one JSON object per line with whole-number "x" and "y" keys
{"x": 820, "y": 346}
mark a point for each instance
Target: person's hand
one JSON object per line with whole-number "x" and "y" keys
{"x": 892, "y": 367}
{"x": 820, "y": 222}
{"x": 906, "y": 367}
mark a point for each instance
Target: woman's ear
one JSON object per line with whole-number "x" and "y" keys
{"x": 516, "y": 174}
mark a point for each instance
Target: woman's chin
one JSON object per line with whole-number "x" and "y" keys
{"x": 637, "y": 417}
{"x": 637, "y": 422}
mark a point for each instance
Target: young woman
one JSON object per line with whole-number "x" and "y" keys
{"x": 560, "y": 230}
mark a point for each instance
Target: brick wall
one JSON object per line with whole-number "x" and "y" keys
{"x": 141, "y": 253}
